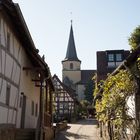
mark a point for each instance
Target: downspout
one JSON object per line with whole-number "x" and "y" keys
{"x": 39, "y": 130}
{"x": 41, "y": 111}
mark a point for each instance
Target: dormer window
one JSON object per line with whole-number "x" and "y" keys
{"x": 118, "y": 57}
{"x": 110, "y": 57}
{"x": 71, "y": 66}
{"x": 114, "y": 59}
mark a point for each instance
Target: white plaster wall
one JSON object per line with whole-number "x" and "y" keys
{"x": 75, "y": 76}
{"x": 61, "y": 98}
{"x": 60, "y": 111}
{"x": 80, "y": 92}
{"x": 17, "y": 47}
{"x": 0, "y": 60}
{"x": 66, "y": 99}
{"x": 3, "y": 91}
{"x": 3, "y": 33}
{"x": 9, "y": 64}
{"x": 3, "y": 115}
{"x": 131, "y": 105}
{"x": 27, "y": 86}
{"x": 12, "y": 43}
{"x": 11, "y": 116}
{"x": 17, "y": 74}
{"x": 14, "y": 97}
{"x": 12, "y": 70}
{"x": 3, "y": 61}
{"x": 8, "y": 113}
{"x": 31, "y": 120}
{"x": 76, "y": 65}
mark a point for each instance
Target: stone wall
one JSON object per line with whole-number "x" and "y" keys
{"x": 7, "y": 134}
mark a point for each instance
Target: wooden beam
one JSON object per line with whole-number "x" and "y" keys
{"x": 40, "y": 86}
{"x": 26, "y": 68}
{"x": 46, "y": 96}
{"x": 32, "y": 68}
{"x": 36, "y": 80}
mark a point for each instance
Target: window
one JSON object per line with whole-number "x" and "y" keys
{"x": 119, "y": 57}
{"x": 36, "y": 110}
{"x": 8, "y": 41}
{"x": 111, "y": 64}
{"x": 8, "y": 95}
{"x": 110, "y": 57}
{"x": 71, "y": 66}
{"x": 60, "y": 105}
{"x": 66, "y": 106}
{"x": 114, "y": 60}
{"x": 32, "y": 107}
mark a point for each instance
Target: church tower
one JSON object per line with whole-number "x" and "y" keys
{"x": 71, "y": 72}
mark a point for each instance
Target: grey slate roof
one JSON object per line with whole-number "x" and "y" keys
{"x": 86, "y": 76}
{"x": 71, "y": 54}
{"x": 69, "y": 90}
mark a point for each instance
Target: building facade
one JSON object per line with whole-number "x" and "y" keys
{"x": 108, "y": 61}
{"x": 25, "y": 81}
{"x": 65, "y": 101}
{"x": 131, "y": 99}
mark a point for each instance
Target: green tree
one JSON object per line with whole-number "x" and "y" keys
{"x": 134, "y": 39}
{"x": 83, "y": 109}
{"x": 89, "y": 91}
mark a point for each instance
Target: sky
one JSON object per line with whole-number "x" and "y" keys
{"x": 98, "y": 25}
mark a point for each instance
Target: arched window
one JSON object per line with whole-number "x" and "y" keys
{"x": 71, "y": 66}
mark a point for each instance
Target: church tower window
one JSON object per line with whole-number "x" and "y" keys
{"x": 71, "y": 66}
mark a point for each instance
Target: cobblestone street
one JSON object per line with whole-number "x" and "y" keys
{"x": 82, "y": 130}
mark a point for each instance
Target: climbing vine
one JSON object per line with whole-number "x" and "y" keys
{"x": 113, "y": 95}
{"x": 134, "y": 39}
{"x": 112, "y": 108}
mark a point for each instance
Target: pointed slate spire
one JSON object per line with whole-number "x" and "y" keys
{"x": 71, "y": 54}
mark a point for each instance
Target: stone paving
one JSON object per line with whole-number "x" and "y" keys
{"x": 82, "y": 130}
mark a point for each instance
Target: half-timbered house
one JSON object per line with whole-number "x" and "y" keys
{"x": 64, "y": 100}
{"x": 25, "y": 80}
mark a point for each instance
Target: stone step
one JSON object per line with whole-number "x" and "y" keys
{"x": 25, "y": 134}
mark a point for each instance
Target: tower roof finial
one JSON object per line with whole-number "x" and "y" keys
{"x": 71, "y": 21}
{"x": 71, "y": 54}
{"x": 71, "y": 18}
